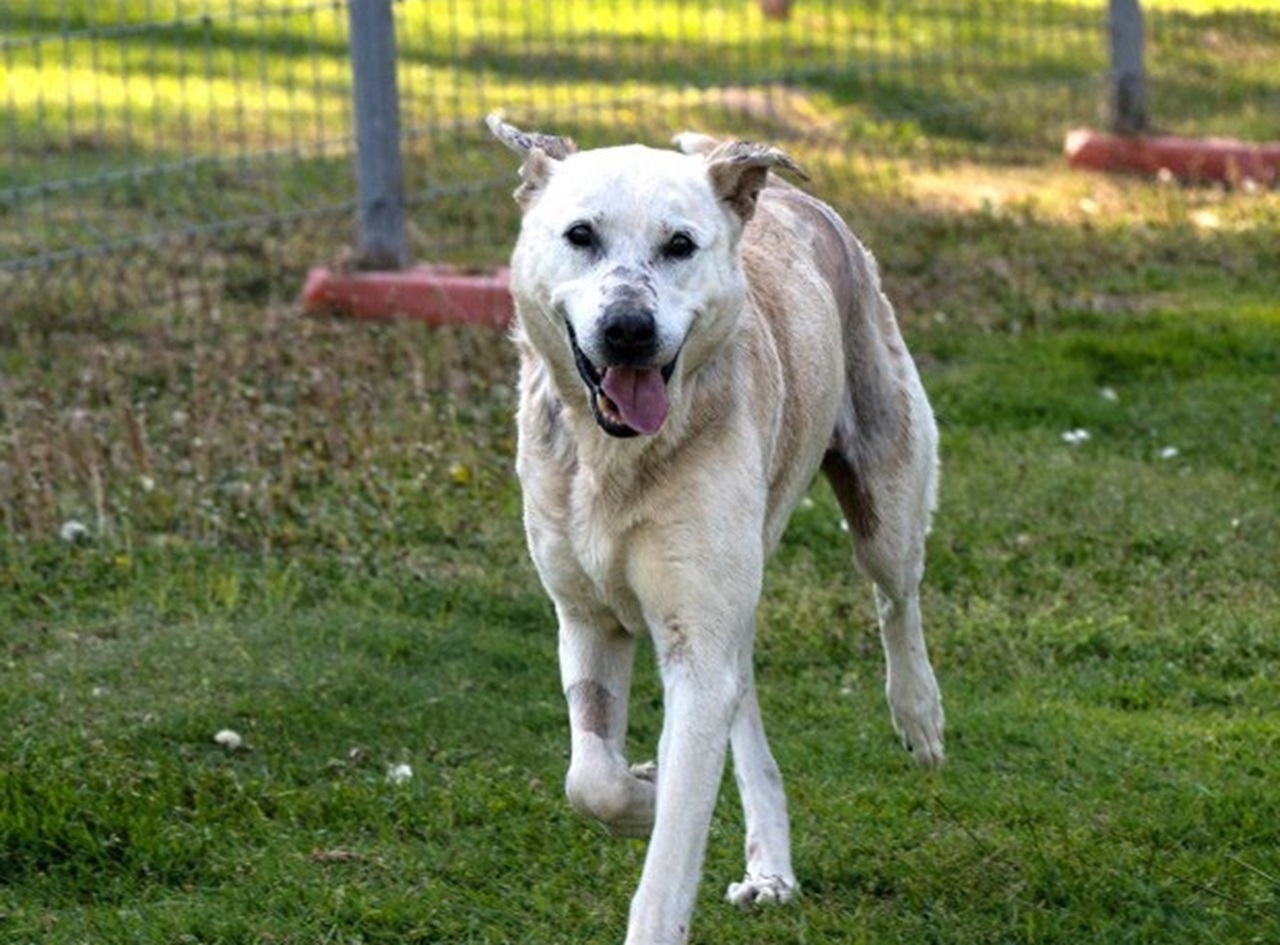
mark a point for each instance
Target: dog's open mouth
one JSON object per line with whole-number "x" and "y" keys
{"x": 627, "y": 400}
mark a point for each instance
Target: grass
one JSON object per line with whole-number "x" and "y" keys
{"x": 307, "y": 531}
{"x": 124, "y": 122}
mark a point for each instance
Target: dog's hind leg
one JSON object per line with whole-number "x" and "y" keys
{"x": 596, "y": 659}
{"x": 887, "y": 496}
{"x": 915, "y": 701}
{"x": 769, "y": 876}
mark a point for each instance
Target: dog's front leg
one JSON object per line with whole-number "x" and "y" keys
{"x": 596, "y": 658}
{"x": 702, "y": 691}
{"x": 769, "y": 877}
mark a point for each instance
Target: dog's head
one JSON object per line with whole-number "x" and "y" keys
{"x": 626, "y": 273}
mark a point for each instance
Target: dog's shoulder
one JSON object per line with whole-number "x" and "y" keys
{"x": 806, "y": 231}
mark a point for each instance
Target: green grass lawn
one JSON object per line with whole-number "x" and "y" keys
{"x": 220, "y": 514}
{"x": 308, "y": 532}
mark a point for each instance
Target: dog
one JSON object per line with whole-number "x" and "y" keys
{"x": 697, "y": 339}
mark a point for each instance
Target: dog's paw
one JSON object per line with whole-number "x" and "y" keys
{"x": 645, "y": 771}
{"x": 916, "y": 707}
{"x": 636, "y": 819}
{"x": 761, "y": 890}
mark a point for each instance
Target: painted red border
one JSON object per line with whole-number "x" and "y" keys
{"x": 1188, "y": 159}
{"x": 434, "y": 294}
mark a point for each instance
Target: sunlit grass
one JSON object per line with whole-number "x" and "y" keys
{"x": 127, "y": 91}
{"x": 175, "y": 115}
{"x": 199, "y": 82}
{"x": 308, "y": 532}
{"x": 1209, "y": 6}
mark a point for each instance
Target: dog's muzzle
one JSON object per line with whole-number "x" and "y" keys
{"x": 629, "y": 395}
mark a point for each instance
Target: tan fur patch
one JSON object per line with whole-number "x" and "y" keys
{"x": 591, "y": 705}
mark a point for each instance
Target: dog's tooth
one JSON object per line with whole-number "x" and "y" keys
{"x": 606, "y": 406}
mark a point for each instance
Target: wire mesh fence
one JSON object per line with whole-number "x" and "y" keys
{"x": 168, "y": 146}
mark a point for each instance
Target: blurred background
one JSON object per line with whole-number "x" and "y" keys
{"x": 160, "y": 148}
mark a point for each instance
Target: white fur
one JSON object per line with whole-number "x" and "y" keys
{"x": 780, "y": 356}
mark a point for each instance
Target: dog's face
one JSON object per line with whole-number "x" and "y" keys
{"x": 622, "y": 252}
{"x": 626, "y": 272}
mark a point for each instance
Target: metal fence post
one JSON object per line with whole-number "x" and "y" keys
{"x": 379, "y": 176}
{"x": 1128, "y": 74}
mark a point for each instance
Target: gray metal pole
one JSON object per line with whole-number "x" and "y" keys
{"x": 1128, "y": 73}
{"x": 379, "y": 176}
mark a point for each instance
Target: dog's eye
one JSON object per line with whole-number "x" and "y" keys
{"x": 680, "y": 246}
{"x": 581, "y": 236}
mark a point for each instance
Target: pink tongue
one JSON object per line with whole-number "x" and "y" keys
{"x": 640, "y": 394}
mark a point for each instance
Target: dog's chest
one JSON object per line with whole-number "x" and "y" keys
{"x": 598, "y": 537}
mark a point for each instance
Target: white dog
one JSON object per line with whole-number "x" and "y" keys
{"x": 696, "y": 342}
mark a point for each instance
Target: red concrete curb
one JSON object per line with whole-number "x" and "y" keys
{"x": 1189, "y": 159}
{"x": 437, "y": 295}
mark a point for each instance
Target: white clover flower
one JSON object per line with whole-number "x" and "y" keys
{"x": 228, "y": 739}
{"x": 1076, "y": 437}
{"x": 399, "y": 774}
{"x": 1206, "y": 220}
{"x": 1109, "y": 394}
{"x": 1169, "y": 452}
{"x": 73, "y": 530}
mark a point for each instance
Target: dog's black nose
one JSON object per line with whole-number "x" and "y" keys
{"x": 630, "y": 335}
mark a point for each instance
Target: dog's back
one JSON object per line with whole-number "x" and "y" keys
{"x": 817, "y": 291}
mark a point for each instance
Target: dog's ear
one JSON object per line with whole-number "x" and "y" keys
{"x": 539, "y": 151}
{"x": 694, "y": 142}
{"x": 525, "y": 142}
{"x": 738, "y": 170}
